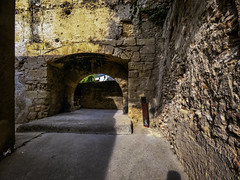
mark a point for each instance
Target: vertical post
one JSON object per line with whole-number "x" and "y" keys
{"x": 145, "y": 112}
{"x": 7, "y": 132}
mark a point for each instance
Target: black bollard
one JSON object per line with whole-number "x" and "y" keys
{"x": 145, "y": 112}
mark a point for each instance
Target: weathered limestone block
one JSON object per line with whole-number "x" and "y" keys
{"x": 38, "y": 108}
{"x": 35, "y": 46}
{"x": 148, "y": 66}
{"x": 146, "y": 41}
{"x": 111, "y": 42}
{"x": 41, "y": 60}
{"x": 149, "y": 49}
{"x": 147, "y": 57}
{"x": 135, "y": 66}
{"x": 44, "y": 81}
{"x": 108, "y": 49}
{"x": 127, "y": 29}
{"x": 31, "y": 94}
{"x": 31, "y": 64}
{"x": 134, "y": 84}
{"x": 42, "y": 94}
{"x": 126, "y": 55}
{"x": 150, "y": 86}
{"x": 133, "y": 48}
{"x": 117, "y": 52}
{"x": 150, "y": 97}
{"x": 133, "y": 74}
{"x": 133, "y": 96}
{"x": 36, "y": 74}
{"x": 146, "y": 73}
{"x": 144, "y": 83}
{"x": 119, "y": 42}
{"x": 136, "y": 56}
{"x": 41, "y": 101}
{"x": 129, "y": 42}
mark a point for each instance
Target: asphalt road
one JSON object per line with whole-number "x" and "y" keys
{"x": 60, "y": 156}
{"x": 98, "y": 152}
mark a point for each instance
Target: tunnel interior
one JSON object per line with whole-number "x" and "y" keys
{"x": 65, "y": 73}
{"x": 98, "y": 91}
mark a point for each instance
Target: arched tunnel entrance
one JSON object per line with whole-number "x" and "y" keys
{"x": 66, "y": 72}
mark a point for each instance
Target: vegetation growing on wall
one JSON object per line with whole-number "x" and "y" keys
{"x": 156, "y": 15}
{"x": 155, "y": 12}
{"x": 89, "y": 78}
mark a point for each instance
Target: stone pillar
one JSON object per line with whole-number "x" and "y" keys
{"x": 140, "y": 72}
{"x": 6, "y": 75}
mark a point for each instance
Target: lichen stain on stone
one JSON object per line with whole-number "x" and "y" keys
{"x": 63, "y": 27}
{"x": 82, "y": 24}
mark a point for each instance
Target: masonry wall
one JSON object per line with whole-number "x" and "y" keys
{"x": 6, "y": 77}
{"x": 47, "y": 29}
{"x": 199, "y": 87}
{"x": 99, "y": 95}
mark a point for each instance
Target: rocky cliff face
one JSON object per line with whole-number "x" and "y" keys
{"x": 199, "y": 86}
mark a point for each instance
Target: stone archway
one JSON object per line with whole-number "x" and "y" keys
{"x": 65, "y": 73}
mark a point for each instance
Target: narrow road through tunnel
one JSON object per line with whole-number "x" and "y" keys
{"x": 68, "y": 94}
{"x": 71, "y": 96}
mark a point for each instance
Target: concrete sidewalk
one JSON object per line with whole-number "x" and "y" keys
{"x": 61, "y": 156}
{"x": 87, "y": 121}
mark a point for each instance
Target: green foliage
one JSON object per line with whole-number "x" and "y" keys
{"x": 89, "y": 78}
{"x": 156, "y": 15}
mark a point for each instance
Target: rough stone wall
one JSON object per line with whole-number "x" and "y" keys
{"x": 199, "y": 87}
{"x": 46, "y": 29}
{"x": 31, "y": 88}
{"x": 148, "y": 18}
{"x": 55, "y": 93}
{"x": 99, "y": 95}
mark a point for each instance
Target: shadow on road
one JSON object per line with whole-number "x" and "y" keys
{"x": 63, "y": 155}
{"x": 173, "y": 175}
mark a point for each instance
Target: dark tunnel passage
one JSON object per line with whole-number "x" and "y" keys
{"x": 66, "y": 72}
